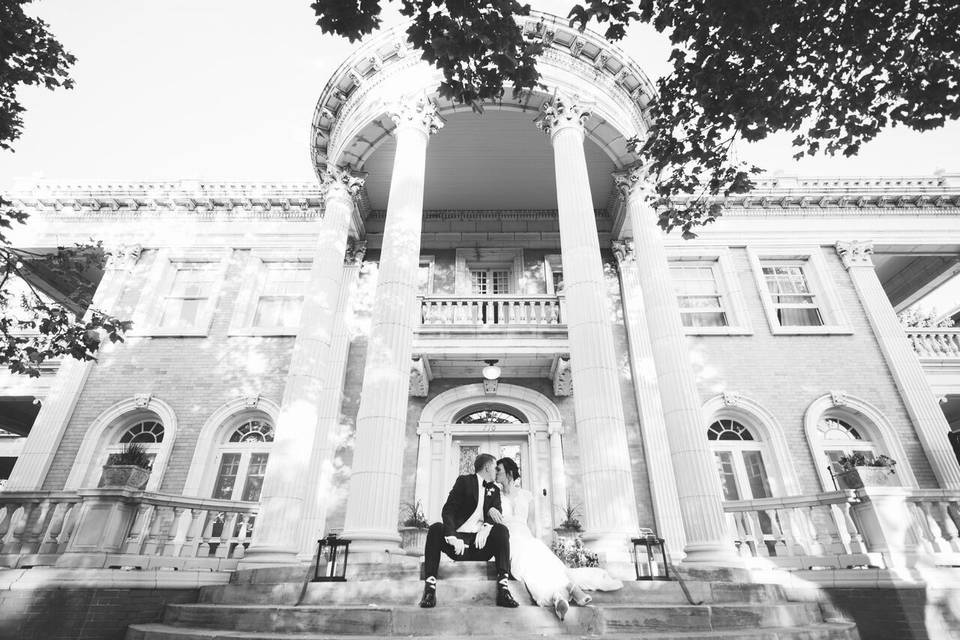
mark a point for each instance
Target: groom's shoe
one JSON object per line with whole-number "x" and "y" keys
{"x": 429, "y": 599}
{"x": 504, "y": 597}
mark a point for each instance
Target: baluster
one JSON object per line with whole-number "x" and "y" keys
{"x": 243, "y": 537}
{"x": 951, "y": 512}
{"x": 921, "y": 526}
{"x": 759, "y": 541}
{"x": 35, "y": 526}
{"x": 855, "y": 540}
{"x": 193, "y": 534}
{"x": 505, "y": 316}
{"x": 813, "y": 538}
{"x": 828, "y": 532}
{"x": 138, "y": 541}
{"x": 734, "y": 531}
{"x": 947, "y": 526}
{"x": 206, "y": 537}
{"x": 48, "y": 541}
{"x": 843, "y": 536}
{"x": 936, "y": 533}
{"x": 229, "y": 523}
{"x": 7, "y": 521}
{"x": 69, "y": 524}
{"x": 174, "y": 533}
{"x": 17, "y": 528}
{"x": 776, "y": 532}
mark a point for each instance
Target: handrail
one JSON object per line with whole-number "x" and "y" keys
{"x": 472, "y": 310}
{"x": 932, "y": 342}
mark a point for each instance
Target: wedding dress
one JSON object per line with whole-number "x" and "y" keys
{"x": 531, "y": 561}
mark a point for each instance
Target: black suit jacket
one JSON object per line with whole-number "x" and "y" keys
{"x": 462, "y": 501}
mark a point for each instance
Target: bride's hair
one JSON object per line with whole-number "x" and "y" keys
{"x": 510, "y": 468}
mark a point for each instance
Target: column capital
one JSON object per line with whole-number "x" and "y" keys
{"x": 623, "y": 251}
{"x": 564, "y": 112}
{"x": 123, "y": 257}
{"x": 356, "y": 250}
{"x": 341, "y": 182}
{"x": 855, "y": 253}
{"x": 417, "y": 113}
{"x": 633, "y": 180}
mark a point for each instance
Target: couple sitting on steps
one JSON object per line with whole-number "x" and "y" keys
{"x": 481, "y": 522}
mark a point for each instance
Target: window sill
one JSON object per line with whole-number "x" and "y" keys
{"x": 278, "y": 332}
{"x": 717, "y": 331}
{"x": 825, "y": 330}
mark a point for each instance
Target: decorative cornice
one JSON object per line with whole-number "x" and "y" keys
{"x": 563, "y": 378}
{"x": 486, "y": 214}
{"x": 855, "y": 254}
{"x": 632, "y": 180}
{"x": 419, "y": 377}
{"x": 418, "y": 113}
{"x": 838, "y": 398}
{"x": 251, "y": 401}
{"x": 562, "y": 112}
{"x": 142, "y": 400}
{"x": 731, "y": 398}
{"x": 356, "y": 250}
{"x": 343, "y": 181}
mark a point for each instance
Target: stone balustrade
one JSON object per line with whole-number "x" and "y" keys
{"x": 936, "y": 520}
{"x": 933, "y": 343}
{"x": 119, "y": 528}
{"x": 494, "y": 310}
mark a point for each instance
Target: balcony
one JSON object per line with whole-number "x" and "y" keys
{"x": 534, "y": 312}
{"x": 936, "y": 344}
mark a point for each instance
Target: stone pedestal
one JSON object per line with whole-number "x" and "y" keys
{"x": 610, "y": 504}
{"x": 373, "y": 504}
{"x": 886, "y": 525}
{"x": 307, "y": 392}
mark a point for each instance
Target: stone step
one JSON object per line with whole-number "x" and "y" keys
{"x": 463, "y": 591}
{"x": 816, "y": 631}
{"x": 486, "y": 620}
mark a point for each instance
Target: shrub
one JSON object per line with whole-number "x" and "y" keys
{"x": 133, "y": 454}
{"x": 414, "y": 516}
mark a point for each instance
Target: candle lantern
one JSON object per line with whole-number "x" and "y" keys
{"x": 650, "y": 557}
{"x": 331, "y": 565}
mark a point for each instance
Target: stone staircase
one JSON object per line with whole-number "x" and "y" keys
{"x": 380, "y": 601}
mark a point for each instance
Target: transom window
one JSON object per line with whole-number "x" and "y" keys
{"x": 489, "y": 416}
{"x": 242, "y": 461}
{"x": 281, "y": 295}
{"x": 839, "y": 438}
{"x": 147, "y": 431}
{"x": 793, "y": 301}
{"x": 700, "y": 299}
{"x": 189, "y": 294}
{"x": 728, "y": 430}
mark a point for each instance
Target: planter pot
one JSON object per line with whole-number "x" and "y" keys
{"x": 565, "y": 533}
{"x": 123, "y": 477}
{"x": 860, "y": 477}
{"x": 413, "y": 540}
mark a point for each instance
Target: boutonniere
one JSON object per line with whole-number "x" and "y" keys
{"x": 491, "y": 491}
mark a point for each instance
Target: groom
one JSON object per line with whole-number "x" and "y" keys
{"x": 472, "y": 529}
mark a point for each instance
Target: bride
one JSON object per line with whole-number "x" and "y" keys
{"x": 531, "y": 561}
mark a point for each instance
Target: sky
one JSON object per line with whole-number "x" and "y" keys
{"x": 225, "y": 89}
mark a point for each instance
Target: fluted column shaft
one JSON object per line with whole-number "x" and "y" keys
{"x": 921, "y": 404}
{"x": 609, "y": 502}
{"x": 319, "y": 487}
{"x": 653, "y": 427}
{"x": 698, "y": 490}
{"x": 374, "y": 499}
{"x": 57, "y": 407}
{"x": 282, "y": 500}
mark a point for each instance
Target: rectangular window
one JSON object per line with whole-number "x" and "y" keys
{"x": 793, "y": 302}
{"x": 281, "y": 296}
{"x": 485, "y": 282}
{"x": 699, "y": 297}
{"x": 255, "y": 473}
{"x": 226, "y": 476}
{"x": 189, "y": 295}
{"x": 756, "y": 475}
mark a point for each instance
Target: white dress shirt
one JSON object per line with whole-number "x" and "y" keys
{"x": 475, "y": 521}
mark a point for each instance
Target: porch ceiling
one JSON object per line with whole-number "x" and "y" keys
{"x": 908, "y": 277}
{"x": 512, "y": 366}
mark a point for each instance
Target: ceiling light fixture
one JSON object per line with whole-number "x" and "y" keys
{"x": 491, "y": 371}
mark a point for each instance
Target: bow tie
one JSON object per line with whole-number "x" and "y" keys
{"x": 487, "y": 485}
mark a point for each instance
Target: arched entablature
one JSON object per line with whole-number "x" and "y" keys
{"x": 867, "y": 422}
{"x": 537, "y": 408}
{"x": 215, "y": 430}
{"x": 749, "y": 412}
{"x": 350, "y": 119}
{"x": 108, "y": 428}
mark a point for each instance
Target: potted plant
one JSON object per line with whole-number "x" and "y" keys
{"x": 856, "y": 472}
{"x": 128, "y": 469}
{"x": 413, "y": 529}
{"x": 569, "y": 527}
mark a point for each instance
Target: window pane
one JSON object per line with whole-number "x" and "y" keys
{"x": 255, "y": 473}
{"x": 711, "y": 319}
{"x": 501, "y": 282}
{"x": 799, "y": 317}
{"x": 269, "y": 311}
{"x": 728, "y": 481}
{"x": 423, "y": 279}
{"x": 478, "y": 282}
{"x": 756, "y": 475}
{"x": 226, "y": 476}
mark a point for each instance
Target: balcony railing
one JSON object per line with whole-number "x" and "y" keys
{"x": 492, "y": 311}
{"x": 111, "y": 527}
{"x": 940, "y": 344}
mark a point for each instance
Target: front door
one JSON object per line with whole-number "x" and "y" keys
{"x": 466, "y": 448}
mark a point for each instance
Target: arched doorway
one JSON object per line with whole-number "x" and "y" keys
{"x": 517, "y": 422}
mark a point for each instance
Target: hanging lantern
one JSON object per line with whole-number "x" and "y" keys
{"x": 650, "y": 557}
{"x": 332, "y": 553}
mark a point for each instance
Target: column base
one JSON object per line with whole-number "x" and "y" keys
{"x": 613, "y": 551}
{"x": 373, "y": 542}
{"x": 716, "y": 554}
{"x": 269, "y": 556}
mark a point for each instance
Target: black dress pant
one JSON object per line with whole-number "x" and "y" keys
{"x": 497, "y": 546}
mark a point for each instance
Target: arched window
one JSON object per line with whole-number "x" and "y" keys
{"x": 739, "y": 458}
{"x": 838, "y": 438}
{"x": 490, "y": 415}
{"x": 242, "y": 459}
{"x": 145, "y": 431}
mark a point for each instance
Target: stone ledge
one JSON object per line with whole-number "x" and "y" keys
{"x": 51, "y": 578}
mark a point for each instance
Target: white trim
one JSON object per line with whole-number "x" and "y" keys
{"x": 211, "y": 434}
{"x": 538, "y": 408}
{"x": 430, "y": 262}
{"x": 255, "y": 267}
{"x": 107, "y": 425}
{"x": 728, "y": 285}
{"x": 784, "y": 480}
{"x": 818, "y": 280}
{"x": 862, "y": 415}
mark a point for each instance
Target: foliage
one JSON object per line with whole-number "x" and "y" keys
{"x": 570, "y": 518}
{"x": 34, "y": 329}
{"x": 916, "y": 319}
{"x": 572, "y": 552}
{"x": 133, "y": 454}
{"x": 847, "y": 463}
{"x": 834, "y": 74}
{"x": 414, "y": 516}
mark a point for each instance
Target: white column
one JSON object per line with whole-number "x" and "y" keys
{"x": 421, "y": 489}
{"x": 57, "y": 407}
{"x": 653, "y": 427}
{"x": 373, "y": 504}
{"x": 276, "y": 537}
{"x": 319, "y": 488}
{"x": 698, "y": 490}
{"x": 558, "y": 473}
{"x": 922, "y": 406}
{"x": 609, "y": 502}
